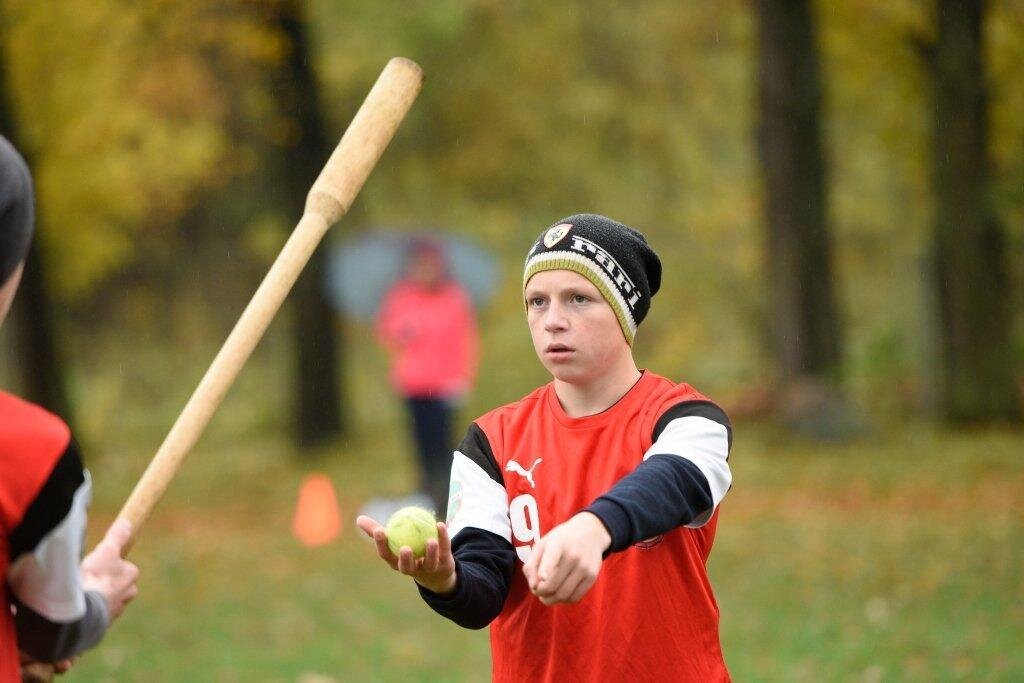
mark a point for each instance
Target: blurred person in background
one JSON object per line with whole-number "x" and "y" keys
{"x": 55, "y": 605}
{"x": 582, "y": 516}
{"x": 427, "y": 325}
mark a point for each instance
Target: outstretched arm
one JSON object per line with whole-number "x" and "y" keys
{"x": 682, "y": 479}
{"x": 470, "y": 576}
{"x": 467, "y": 585}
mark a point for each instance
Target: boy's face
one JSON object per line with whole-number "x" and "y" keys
{"x": 7, "y": 292}
{"x": 575, "y": 332}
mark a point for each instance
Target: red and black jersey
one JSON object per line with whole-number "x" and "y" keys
{"x": 653, "y": 467}
{"x": 44, "y": 492}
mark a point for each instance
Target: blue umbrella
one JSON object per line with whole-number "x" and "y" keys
{"x": 361, "y": 270}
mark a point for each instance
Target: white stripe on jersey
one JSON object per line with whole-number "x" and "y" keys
{"x": 484, "y": 502}
{"x": 48, "y": 579}
{"x": 705, "y": 443}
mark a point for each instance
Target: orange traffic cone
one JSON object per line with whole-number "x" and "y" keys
{"x": 317, "y": 518}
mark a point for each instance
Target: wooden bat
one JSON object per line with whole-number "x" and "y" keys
{"x": 330, "y": 197}
{"x": 328, "y": 200}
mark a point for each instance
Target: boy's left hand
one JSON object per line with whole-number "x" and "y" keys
{"x": 565, "y": 562}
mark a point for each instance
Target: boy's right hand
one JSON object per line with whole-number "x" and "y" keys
{"x": 435, "y": 571}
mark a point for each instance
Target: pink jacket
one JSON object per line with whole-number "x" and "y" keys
{"x": 431, "y": 337}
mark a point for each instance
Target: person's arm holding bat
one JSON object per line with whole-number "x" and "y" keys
{"x": 64, "y": 605}
{"x": 56, "y": 605}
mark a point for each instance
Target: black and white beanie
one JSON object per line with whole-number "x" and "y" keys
{"x": 613, "y": 256}
{"x": 17, "y": 211}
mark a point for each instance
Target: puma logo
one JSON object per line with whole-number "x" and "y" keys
{"x": 513, "y": 466}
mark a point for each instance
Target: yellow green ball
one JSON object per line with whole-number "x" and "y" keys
{"x": 411, "y": 526}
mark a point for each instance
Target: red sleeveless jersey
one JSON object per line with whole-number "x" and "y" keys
{"x": 651, "y": 615}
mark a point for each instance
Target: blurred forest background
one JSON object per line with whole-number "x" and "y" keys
{"x": 837, "y": 193}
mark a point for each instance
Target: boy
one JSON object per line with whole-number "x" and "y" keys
{"x": 602, "y": 487}
{"x": 51, "y": 607}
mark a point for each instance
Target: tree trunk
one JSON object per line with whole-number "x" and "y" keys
{"x": 977, "y": 382}
{"x": 803, "y": 309}
{"x": 42, "y": 371}
{"x": 319, "y": 401}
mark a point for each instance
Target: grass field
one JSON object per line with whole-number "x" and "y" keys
{"x": 896, "y": 557}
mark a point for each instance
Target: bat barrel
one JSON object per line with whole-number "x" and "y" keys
{"x": 365, "y": 140}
